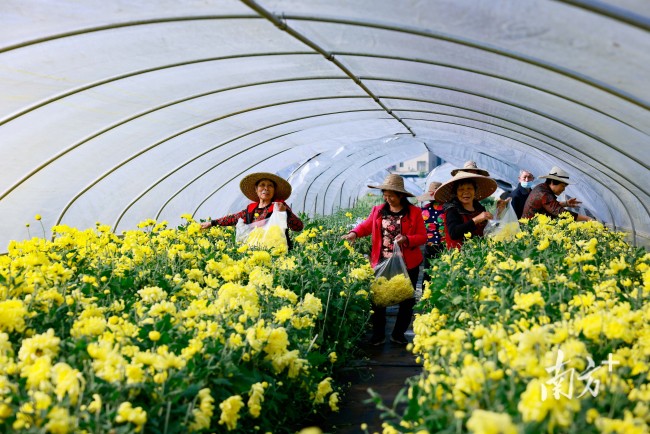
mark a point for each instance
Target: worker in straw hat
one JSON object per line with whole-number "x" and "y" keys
{"x": 433, "y": 215}
{"x": 396, "y": 220}
{"x": 463, "y": 212}
{"x": 268, "y": 193}
{"x": 543, "y": 198}
{"x": 470, "y": 167}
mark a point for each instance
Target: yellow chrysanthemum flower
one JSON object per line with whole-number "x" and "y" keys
{"x": 333, "y": 401}
{"x": 525, "y": 301}
{"x": 59, "y": 421}
{"x": 96, "y": 405}
{"x": 256, "y": 398}
{"x": 204, "y": 412}
{"x": 230, "y": 411}
{"x": 362, "y": 273}
{"x": 324, "y": 388}
{"x": 136, "y": 416}
{"x": 67, "y": 381}
{"x": 489, "y": 422}
{"x": 283, "y": 314}
{"x": 387, "y": 292}
{"x": 12, "y": 315}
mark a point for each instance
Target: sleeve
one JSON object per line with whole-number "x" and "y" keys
{"x": 293, "y": 221}
{"x": 518, "y": 202}
{"x": 230, "y": 219}
{"x": 553, "y": 207}
{"x": 455, "y": 225}
{"x": 364, "y": 228}
{"x": 419, "y": 236}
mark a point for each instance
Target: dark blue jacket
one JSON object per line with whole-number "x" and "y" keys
{"x": 519, "y": 196}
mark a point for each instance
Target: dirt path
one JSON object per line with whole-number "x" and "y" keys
{"x": 385, "y": 370}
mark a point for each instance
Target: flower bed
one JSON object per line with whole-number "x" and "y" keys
{"x": 175, "y": 330}
{"x": 549, "y": 332}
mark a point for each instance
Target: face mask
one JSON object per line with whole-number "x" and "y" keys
{"x": 526, "y": 184}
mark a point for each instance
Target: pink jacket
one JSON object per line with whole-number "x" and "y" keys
{"x": 412, "y": 227}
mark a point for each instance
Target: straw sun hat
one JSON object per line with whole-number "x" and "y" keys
{"x": 247, "y": 186}
{"x": 393, "y": 182}
{"x": 428, "y": 195}
{"x": 557, "y": 174}
{"x": 471, "y": 167}
{"x": 484, "y": 186}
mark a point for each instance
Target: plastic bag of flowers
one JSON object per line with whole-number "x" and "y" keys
{"x": 505, "y": 226}
{"x": 265, "y": 234}
{"x": 392, "y": 284}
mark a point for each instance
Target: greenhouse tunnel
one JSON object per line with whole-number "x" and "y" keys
{"x": 119, "y": 111}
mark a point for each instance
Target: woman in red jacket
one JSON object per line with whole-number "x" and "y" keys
{"x": 397, "y": 220}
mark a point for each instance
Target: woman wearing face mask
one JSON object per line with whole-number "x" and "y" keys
{"x": 397, "y": 220}
{"x": 463, "y": 211}
{"x": 520, "y": 194}
{"x": 268, "y": 193}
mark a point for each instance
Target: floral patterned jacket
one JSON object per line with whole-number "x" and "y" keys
{"x": 434, "y": 221}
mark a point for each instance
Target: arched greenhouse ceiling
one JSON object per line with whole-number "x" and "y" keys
{"x": 117, "y": 111}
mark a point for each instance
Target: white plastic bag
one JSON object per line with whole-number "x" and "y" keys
{"x": 392, "y": 283}
{"x": 505, "y": 226}
{"x": 267, "y": 234}
{"x": 243, "y": 230}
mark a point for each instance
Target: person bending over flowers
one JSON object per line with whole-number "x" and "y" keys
{"x": 543, "y": 198}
